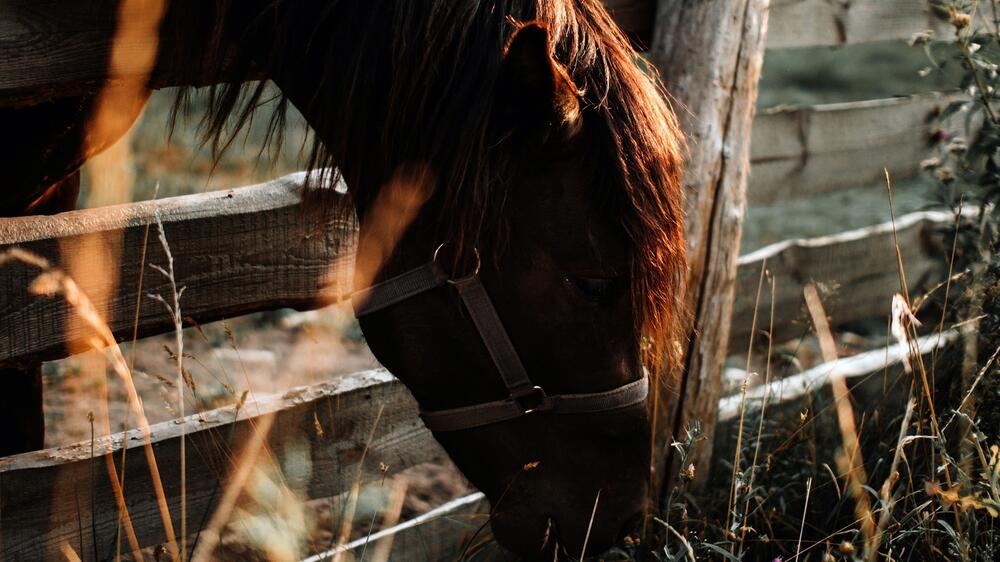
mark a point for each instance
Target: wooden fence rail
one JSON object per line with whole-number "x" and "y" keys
{"x": 800, "y": 152}
{"x": 855, "y": 270}
{"x": 64, "y": 495}
{"x": 237, "y": 251}
{"x": 815, "y": 23}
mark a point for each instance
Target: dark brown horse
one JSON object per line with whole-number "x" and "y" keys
{"x": 544, "y": 151}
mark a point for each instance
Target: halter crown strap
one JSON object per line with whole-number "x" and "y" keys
{"x": 494, "y": 336}
{"x": 524, "y": 396}
{"x": 398, "y": 289}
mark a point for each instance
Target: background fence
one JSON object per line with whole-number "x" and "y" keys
{"x": 255, "y": 248}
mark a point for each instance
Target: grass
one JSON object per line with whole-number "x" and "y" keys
{"x": 867, "y": 469}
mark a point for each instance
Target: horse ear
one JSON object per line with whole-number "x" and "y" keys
{"x": 533, "y": 87}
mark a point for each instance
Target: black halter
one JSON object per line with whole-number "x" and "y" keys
{"x": 525, "y": 396}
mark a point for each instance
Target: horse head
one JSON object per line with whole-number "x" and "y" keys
{"x": 560, "y": 280}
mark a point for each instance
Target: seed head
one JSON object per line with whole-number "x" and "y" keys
{"x": 688, "y": 473}
{"x": 930, "y": 164}
{"x": 921, "y": 37}
{"x": 958, "y": 19}
{"x": 945, "y": 175}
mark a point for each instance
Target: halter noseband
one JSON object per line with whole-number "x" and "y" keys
{"x": 525, "y": 396}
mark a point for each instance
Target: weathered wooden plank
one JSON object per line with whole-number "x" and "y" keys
{"x": 64, "y": 495}
{"x": 808, "y": 23}
{"x": 709, "y": 54}
{"x": 53, "y": 48}
{"x": 858, "y": 366}
{"x": 799, "y": 152}
{"x": 236, "y": 251}
{"x": 439, "y": 534}
{"x": 856, "y": 272}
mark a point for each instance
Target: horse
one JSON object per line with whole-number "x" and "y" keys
{"x": 520, "y": 161}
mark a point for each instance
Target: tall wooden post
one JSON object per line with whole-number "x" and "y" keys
{"x": 709, "y": 55}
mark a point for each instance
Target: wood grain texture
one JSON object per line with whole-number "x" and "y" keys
{"x": 319, "y": 436}
{"x": 808, "y": 23}
{"x": 442, "y": 533}
{"x": 53, "y": 48}
{"x": 58, "y": 48}
{"x": 236, "y": 251}
{"x": 709, "y": 54}
{"x": 800, "y": 152}
{"x": 855, "y": 271}
{"x": 814, "y": 379}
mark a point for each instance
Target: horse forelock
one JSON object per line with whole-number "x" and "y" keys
{"x": 647, "y": 153}
{"x": 421, "y": 79}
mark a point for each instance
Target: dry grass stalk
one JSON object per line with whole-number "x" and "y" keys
{"x": 908, "y": 328}
{"x": 69, "y": 553}
{"x": 802, "y": 526}
{"x": 975, "y": 383}
{"x": 352, "y": 502}
{"x": 118, "y": 104}
{"x": 886, "y": 494}
{"x": 243, "y": 467}
{"x": 683, "y": 540}
{"x": 389, "y": 519}
{"x": 909, "y": 333}
{"x": 51, "y": 281}
{"x": 174, "y": 310}
{"x": 948, "y": 281}
{"x": 850, "y": 463}
{"x": 590, "y": 524}
{"x": 760, "y": 425}
{"x": 731, "y": 504}
{"x": 131, "y": 366}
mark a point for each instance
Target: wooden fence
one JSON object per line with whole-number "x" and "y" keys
{"x": 256, "y": 248}
{"x": 238, "y": 251}
{"x": 801, "y": 152}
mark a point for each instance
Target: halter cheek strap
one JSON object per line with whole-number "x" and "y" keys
{"x": 524, "y": 396}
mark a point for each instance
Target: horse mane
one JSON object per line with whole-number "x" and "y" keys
{"x": 420, "y": 79}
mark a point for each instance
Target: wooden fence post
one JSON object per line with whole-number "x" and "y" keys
{"x": 708, "y": 54}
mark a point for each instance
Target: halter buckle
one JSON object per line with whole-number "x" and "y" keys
{"x": 532, "y": 400}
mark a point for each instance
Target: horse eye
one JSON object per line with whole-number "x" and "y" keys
{"x": 595, "y": 289}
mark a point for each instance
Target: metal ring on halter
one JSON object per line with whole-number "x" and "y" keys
{"x": 452, "y": 280}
